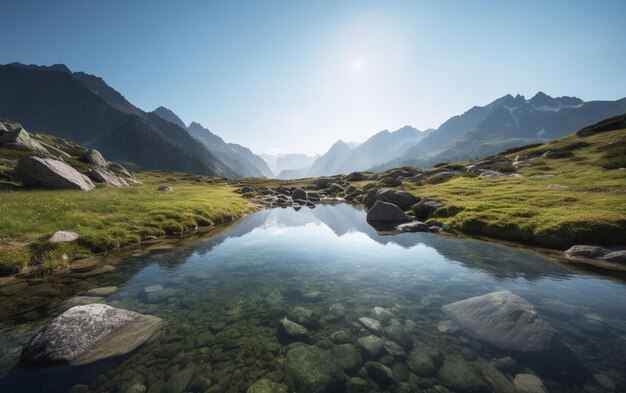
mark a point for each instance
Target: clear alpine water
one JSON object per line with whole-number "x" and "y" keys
{"x": 223, "y": 298}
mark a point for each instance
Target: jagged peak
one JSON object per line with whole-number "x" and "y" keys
{"x": 53, "y": 67}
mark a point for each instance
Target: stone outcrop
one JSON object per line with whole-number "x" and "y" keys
{"x": 52, "y": 173}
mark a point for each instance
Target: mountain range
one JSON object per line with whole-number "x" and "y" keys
{"x": 85, "y": 109}
{"x": 481, "y": 131}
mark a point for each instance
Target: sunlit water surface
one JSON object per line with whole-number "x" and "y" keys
{"x": 225, "y": 295}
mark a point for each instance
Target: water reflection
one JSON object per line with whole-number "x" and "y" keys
{"x": 225, "y": 294}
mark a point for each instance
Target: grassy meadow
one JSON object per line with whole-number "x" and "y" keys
{"x": 108, "y": 218}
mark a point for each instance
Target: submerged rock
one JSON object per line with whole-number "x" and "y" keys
{"x": 85, "y": 334}
{"x": 372, "y": 345}
{"x": 386, "y": 212}
{"x": 309, "y": 369}
{"x": 424, "y": 360}
{"x": 266, "y": 386}
{"x": 52, "y": 173}
{"x": 502, "y": 319}
{"x": 371, "y": 324}
{"x": 102, "y": 291}
{"x": 303, "y": 316}
{"x": 380, "y": 373}
{"x": 348, "y": 356}
{"x": 529, "y": 383}
{"x": 337, "y": 312}
{"x": 293, "y": 329}
{"x": 459, "y": 376}
{"x": 382, "y": 314}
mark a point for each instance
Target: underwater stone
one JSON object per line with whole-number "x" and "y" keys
{"x": 502, "y": 319}
{"x": 372, "y": 324}
{"x": 382, "y": 314}
{"x": 337, "y": 312}
{"x": 348, "y": 356}
{"x": 309, "y": 369}
{"x": 372, "y": 345}
{"x": 380, "y": 373}
{"x": 424, "y": 360}
{"x": 458, "y": 375}
{"x": 529, "y": 383}
{"x": 84, "y": 334}
{"x": 294, "y": 330}
{"x": 266, "y": 386}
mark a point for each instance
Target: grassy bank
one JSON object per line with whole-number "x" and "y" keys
{"x": 108, "y": 218}
{"x": 578, "y": 198}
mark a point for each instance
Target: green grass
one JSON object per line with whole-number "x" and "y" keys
{"x": 107, "y": 218}
{"x": 584, "y": 202}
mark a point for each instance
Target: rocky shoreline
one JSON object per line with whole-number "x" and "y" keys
{"x": 391, "y": 210}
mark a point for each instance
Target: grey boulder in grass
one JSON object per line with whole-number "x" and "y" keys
{"x": 52, "y": 173}
{"x": 85, "y": 334}
{"x": 502, "y": 319}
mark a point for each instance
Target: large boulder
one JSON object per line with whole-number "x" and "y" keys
{"x": 52, "y": 173}
{"x": 299, "y": 194}
{"x": 93, "y": 157}
{"x": 309, "y": 369}
{"x": 386, "y": 212}
{"x": 356, "y": 176}
{"x": 20, "y": 139}
{"x": 85, "y": 334}
{"x": 502, "y": 319}
{"x": 424, "y": 208}
{"x": 403, "y": 199}
{"x": 107, "y": 177}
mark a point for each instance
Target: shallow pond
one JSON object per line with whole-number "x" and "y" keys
{"x": 223, "y": 298}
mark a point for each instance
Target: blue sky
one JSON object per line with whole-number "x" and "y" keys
{"x": 295, "y": 76}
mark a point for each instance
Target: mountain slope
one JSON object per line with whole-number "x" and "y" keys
{"x": 288, "y": 162}
{"x": 331, "y": 161}
{"x": 505, "y": 123}
{"x": 380, "y": 148}
{"x": 53, "y": 100}
{"x": 170, "y": 116}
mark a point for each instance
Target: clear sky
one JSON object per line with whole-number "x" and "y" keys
{"x": 295, "y": 76}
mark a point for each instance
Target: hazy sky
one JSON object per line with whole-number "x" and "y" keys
{"x": 295, "y": 76}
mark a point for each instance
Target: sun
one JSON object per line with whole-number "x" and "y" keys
{"x": 357, "y": 63}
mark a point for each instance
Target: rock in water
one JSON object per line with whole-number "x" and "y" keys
{"x": 413, "y": 226}
{"x": 386, "y": 212}
{"x": 309, "y": 369}
{"x": 48, "y": 172}
{"x": 502, "y": 319}
{"x": 293, "y": 329}
{"x": 460, "y": 376}
{"x": 266, "y": 386}
{"x": 528, "y": 383}
{"x": 299, "y": 194}
{"x": 84, "y": 334}
{"x": 582, "y": 251}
